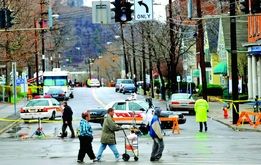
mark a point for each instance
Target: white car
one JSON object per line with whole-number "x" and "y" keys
{"x": 93, "y": 83}
{"x": 41, "y": 108}
{"x": 139, "y": 109}
{"x": 182, "y": 102}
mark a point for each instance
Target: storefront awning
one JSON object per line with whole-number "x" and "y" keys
{"x": 221, "y": 68}
{"x": 195, "y": 73}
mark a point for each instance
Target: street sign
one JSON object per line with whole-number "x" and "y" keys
{"x": 178, "y": 78}
{"x": 101, "y": 12}
{"x": 143, "y": 10}
{"x": 189, "y": 79}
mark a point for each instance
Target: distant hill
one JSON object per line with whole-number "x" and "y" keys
{"x": 85, "y": 38}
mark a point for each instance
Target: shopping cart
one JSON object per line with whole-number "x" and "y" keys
{"x": 131, "y": 146}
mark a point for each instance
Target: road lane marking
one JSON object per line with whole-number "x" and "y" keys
{"x": 97, "y": 99}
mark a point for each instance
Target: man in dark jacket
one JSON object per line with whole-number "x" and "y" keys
{"x": 67, "y": 120}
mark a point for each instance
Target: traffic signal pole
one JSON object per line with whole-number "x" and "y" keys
{"x": 234, "y": 70}
{"x": 124, "y": 52}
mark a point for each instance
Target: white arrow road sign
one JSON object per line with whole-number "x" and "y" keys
{"x": 143, "y": 10}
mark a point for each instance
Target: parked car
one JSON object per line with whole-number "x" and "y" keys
{"x": 182, "y": 102}
{"x": 117, "y": 84}
{"x": 57, "y": 94}
{"x": 41, "y": 108}
{"x": 93, "y": 83}
{"x": 129, "y": 86}
{"x": 97, "y": 115}
{"x": 139, "y": 108}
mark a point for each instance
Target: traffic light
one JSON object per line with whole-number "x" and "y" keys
{"x": 123, "y": 11}
{"x": 129, "y": 11}
{"x": 2, "y": 18}
{"x": 116, "y": 10}
{"x": 9, "y": 18}
{"x": 244, "y": 6}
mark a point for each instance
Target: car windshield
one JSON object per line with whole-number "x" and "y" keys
{"x": 180, "y": 96}
{"x": 119, "y": 81}
{"x": 143, "y": 104}
{"x": 37, "y": 102}
{"x": 127, "y": 82}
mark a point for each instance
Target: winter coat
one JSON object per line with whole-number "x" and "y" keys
{"x": 67, "y": 113}
{"x": 201, "y": 107}
{"x": 85, "y": 128}
{"x": 155, "y": 129}
{"x": 108, "y": 131}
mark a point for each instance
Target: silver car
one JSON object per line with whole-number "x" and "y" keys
{"x": 117, "y": 85}
{"x": 182, "y": 102}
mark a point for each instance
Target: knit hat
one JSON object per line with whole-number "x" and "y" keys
{"x": 157, "y": 111}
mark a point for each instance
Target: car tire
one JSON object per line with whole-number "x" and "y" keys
{"x": 192, "y": 112}
{"x": 116, "y": 90}
{"x": 53, "y": 116}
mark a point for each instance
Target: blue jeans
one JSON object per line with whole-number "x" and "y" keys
{"x": 112, "y": 147}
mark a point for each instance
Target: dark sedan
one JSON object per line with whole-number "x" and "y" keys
{"x": 57, "y": 94}
{"x": 97, "y": 115}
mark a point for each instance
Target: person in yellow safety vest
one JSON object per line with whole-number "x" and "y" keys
{"x": 201, "y": 108}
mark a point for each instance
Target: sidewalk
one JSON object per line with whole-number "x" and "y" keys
{"x": 8, "y": 116}
{"x": 216, "y": 113}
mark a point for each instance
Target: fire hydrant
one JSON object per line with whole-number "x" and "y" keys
{"x": 225, "y": 112}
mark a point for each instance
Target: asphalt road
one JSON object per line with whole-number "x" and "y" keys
{"x": 220, "y": 145}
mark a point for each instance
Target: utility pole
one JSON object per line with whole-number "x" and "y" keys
{"x": 150, "y": 65}
{"x": 200, "y": 47}
{"x": 234, "y": 70}
{"x": 42, "y": 2}
{"x": 172, "y": 48}
{"x": 134, "y": 57}
{"x": 143, "y": 61}
{"x": 124, "y": 52}
{"x": 36, "y": 56}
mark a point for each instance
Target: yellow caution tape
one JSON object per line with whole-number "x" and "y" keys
{"x": 232, "y": 102}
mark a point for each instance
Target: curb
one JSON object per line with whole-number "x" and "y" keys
{"x": 236, "y": 128}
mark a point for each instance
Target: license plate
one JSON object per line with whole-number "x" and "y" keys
{"x": 33, "y": 110}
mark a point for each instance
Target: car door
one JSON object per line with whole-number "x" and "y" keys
{"x": 57, "y": 107}
{"x": 136, "y": 110}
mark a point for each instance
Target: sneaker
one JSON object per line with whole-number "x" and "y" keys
{"x": 96, "y": 160}
{"x": 79, "y": 161}
{"x": 118, "y": 159}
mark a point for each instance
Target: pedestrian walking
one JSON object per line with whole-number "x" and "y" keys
{"x": 85, "y": 137}
{"x": 201, "y": 108}
{"x": 156, "y": 134}
{"x": 67, "y": 120}
{"x": 108, "y": 135}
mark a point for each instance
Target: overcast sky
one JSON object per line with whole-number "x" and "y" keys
{"x": 159, "y": 10}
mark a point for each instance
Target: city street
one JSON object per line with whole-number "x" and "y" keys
{"x": 220, "y": 145}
